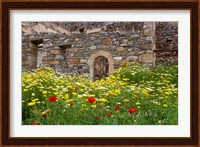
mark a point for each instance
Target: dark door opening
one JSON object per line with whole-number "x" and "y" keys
{"x": 101, "y": 67}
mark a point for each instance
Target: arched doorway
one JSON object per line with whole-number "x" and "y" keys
{"x": 105, "y": 58}
{"x": 101, "y": 67}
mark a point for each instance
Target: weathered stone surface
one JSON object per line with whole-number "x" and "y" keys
{"x": 131, "y": 58}
{"x": 83, "y": 60}
{"x": 149, "y": 38}
{"x": 53, "y": 51}
{"x": 75, "y": 60}
{"x": 63, "y": 63}
{"x": 125, "y": 40}
{"x": 149, "y": 51}
{"x": 141, "y": 52}
{"x": 94, "y": 30}
{"x": 32, "y": 60}
{"x": 124, "y": 44}
{"x": 61, "y": 30}
{"x": 135, "y": 36}
{"x": 147, "y": 32}
{"x": 146, "y": 58}
{"x": 60, "y": 57}
{"x": 44, "y": 46}
{"x": 120, "y": 49}
{"x": 74, "y": 49}
{"x": 66, "y": 40}
{"x": 167, "y": 39}
{"x": 44, "y": 53}
{"x": 93, "y": 47}
{"x": 107, "y": 41}
{"x": 70, "y": 54}
{"x": 26, "y": 29}
{"x": 54, "y": 62}
{"x": 118, "y": 59}
{"x": 114, "y": 40}
{"x": 146, "y": 46}
{"x": 92, "y": 38}
{"x": 39, "y": 28}
{"x": 130, "y": 49}
{"x": 45, "y": 40}
{"x": 50, "y": 31}
{"x": 131, "y": 53}
{"x": 124, "y": 53}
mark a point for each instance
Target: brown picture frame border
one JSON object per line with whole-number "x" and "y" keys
{"x": 7, "y": 140}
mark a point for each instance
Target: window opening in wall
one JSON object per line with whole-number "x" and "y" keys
{"x": 39, "y": 55}
{"x": 35, "y": 58}
{"x": 65, "y": 46}
{"x": 81, "y": 30}
{"x": 101, "y": 67}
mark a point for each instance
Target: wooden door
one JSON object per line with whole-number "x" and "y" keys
{"x": 101, "y": 66}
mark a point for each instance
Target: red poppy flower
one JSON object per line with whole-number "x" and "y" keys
{"x": 108, "y": 114}
{"x": 52, "y": 98}
{"x": 117, "y": 108}
{"x": 71, "y": 104}
{"x": 70, "y": 91}
{"x": 91, "y": 99}
{"x": 97, "y": 117}
{"x": 100, "y": 106}
{"x": 132, "y": 110}
{"x": 44, "y": 114}
{"x": 35, "y": 123}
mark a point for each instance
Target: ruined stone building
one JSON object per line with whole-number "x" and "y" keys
{"x": 97, "y": 48}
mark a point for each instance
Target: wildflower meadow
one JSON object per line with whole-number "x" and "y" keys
{"x": 132, "y": 95}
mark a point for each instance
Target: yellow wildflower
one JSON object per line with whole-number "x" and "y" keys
{"x": 104, "y": 100}
{"x": 44, "y": 92}
{"x": 165, "y": 105}
{"x": 50, "y": 87}
{"x": 83, "y": 105}
{"x": 126, "y": 100}
{"x": 36, "y": 99}
{"x": 69, "y": 100}
{"x": 93, "y": 106}
{"x": 137, "y": 103}
{"x": 67, "y": 96}
{"x": 31, "y": 103}
{"x": 55, "y": 93}
{"x": 82, "y": 90}
{"x": 73, "y": 93}
{"x": 117, "y": 91}
{"x": 80, "y": 96}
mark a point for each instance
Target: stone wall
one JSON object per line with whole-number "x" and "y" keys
{"x": 166, "y": 43}
{"x": 68, "y": 46}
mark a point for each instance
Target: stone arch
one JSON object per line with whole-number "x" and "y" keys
{"x": 92, "y": 58}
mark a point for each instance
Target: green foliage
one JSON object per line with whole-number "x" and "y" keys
{"x": 151, "y": 92}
